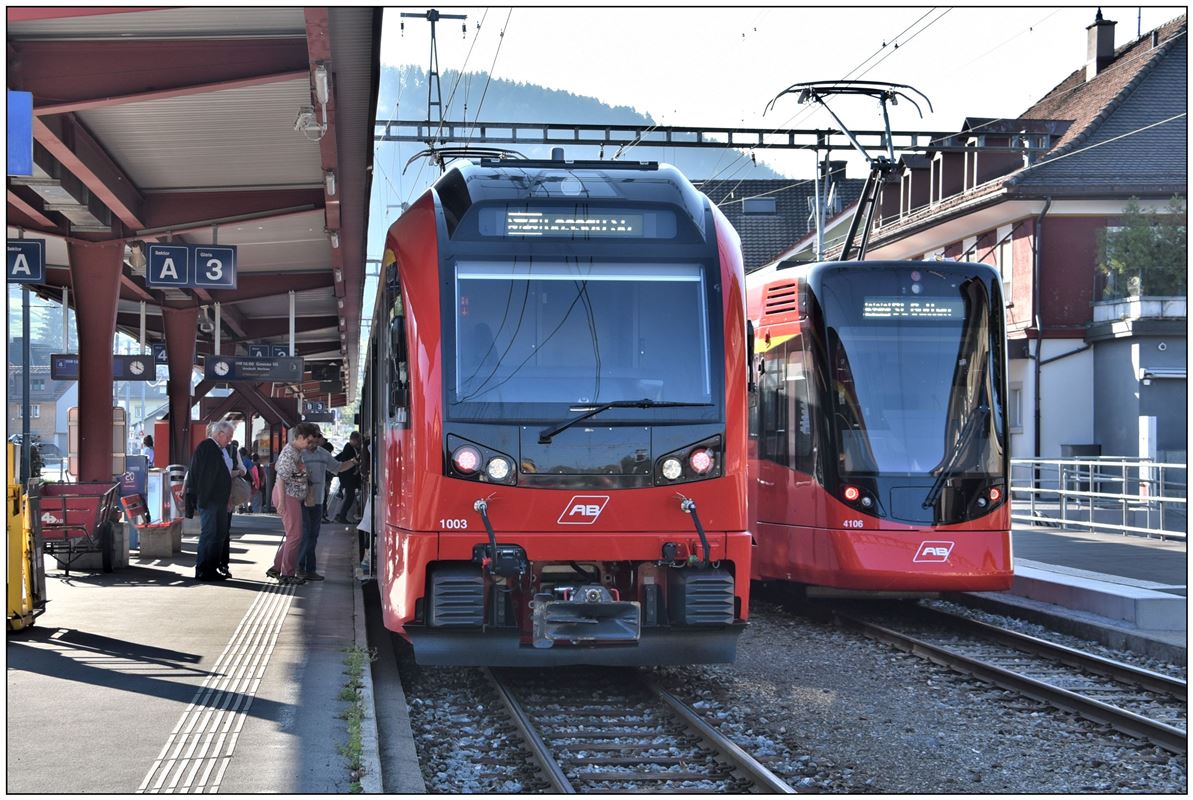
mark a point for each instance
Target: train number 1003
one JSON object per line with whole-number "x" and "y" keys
{"x": 453, "y": 524}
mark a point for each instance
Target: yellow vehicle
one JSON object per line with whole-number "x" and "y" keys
{"x": 26, "y": 568}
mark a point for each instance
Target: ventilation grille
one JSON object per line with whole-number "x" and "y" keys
{"x": 457, "y": 597}
{"x": 781, "y": 298}
{"x": 701, "y": 597}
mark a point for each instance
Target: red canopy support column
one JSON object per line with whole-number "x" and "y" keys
{"x": 180, "y": 325}
{"x": 95, "y": 267}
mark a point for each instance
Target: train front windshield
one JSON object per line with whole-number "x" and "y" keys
{"x": 531, "y": 334}
{"x": 914, "y": 372}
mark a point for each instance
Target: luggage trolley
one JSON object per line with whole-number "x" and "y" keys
{"x": 79, "y": 518}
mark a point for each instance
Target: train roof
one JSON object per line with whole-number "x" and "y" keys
{"x": 600, "y": 182}
{"x": 785, "y": 271}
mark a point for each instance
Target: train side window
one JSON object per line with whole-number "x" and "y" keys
{"x": 800, "y": 411}
{"x": 772, "y": 406}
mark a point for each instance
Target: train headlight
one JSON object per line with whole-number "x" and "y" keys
{"x": 466, "y": 459}
{"x": 700, "y": 461}
{"x": 995, "y": 494}
{"x": 498, "y": 468}
{"x": 852, "y": 493}
{"x": 672, "y": 468}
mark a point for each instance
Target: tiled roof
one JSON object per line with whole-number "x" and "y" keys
{"x": 1141, "y": 86}
{"x": 764, "y": 237}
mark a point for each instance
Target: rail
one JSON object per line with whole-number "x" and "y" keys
{"x": 1116, "y": 495}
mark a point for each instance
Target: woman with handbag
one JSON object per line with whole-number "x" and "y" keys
{"x": 289, "y": 491}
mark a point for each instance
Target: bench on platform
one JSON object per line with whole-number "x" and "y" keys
{"x": 157, "y": 539}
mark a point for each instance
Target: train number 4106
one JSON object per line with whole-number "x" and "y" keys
{"x": 854, "y": 523}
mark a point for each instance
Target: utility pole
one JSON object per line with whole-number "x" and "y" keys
{"x": 434, "y": 92}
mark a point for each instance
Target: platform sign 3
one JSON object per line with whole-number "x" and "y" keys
{"x": 26, "y": 261}
{"x": 169, "y": 266}
{"x": 215, "y": 267}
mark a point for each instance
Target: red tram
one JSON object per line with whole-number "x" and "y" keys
{"x": 557, "y": 393}
{"x": 879, "y": 454}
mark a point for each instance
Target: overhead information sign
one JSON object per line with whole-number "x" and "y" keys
{"x": 133, "y": 368}
{"x": 269, "y": 351}
{"x": 65, "y": 367}
{"x": 317, "y": 411}
{"x": 232, "y": 368}
{"x": 195, "y": 266}
{"x": 26, "y": 261}
{"x": 20, "y": 133}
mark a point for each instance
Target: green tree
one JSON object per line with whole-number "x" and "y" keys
{"x": 1147, "y": 253}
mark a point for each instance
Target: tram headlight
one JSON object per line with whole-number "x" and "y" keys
{"x": 852, "y": 493}
{"x": 498, "y": 468}
{"x": 701, "y": 461}
{"x": 466, "y": 459}
{"x": 696, "y": 462}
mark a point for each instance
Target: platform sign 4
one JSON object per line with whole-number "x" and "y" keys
{"x": 169, "y": 266}
{"x": 159, "y": 354}
{"x": 215, "y": 267}
{"x": 26, "y": 261}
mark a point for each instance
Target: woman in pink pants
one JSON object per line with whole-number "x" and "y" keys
{"x": 288, "y": 493}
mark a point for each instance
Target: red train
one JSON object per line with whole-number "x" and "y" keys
{"x": 879, "y": 450}
{"x": 557, "y": 388}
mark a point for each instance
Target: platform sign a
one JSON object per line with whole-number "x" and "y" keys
{"x": 26, "y": 261}
{"x": 20, "y": 133}
{"x": 258, "y": 351}
{"x": 215, "y": 267}
{"x": 169, "y": 266}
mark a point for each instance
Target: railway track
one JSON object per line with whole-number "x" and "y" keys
{"x": 1129, "y": 699}
{"x": 606, "y": 731}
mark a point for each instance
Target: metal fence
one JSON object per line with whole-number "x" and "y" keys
{"x": 1111, "y": 495}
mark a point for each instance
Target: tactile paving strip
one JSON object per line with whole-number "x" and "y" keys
{"x": 200, "y": 747}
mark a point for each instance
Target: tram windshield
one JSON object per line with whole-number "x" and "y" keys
{"x": 913, "y": 358}
{"x": 578, "y": 332}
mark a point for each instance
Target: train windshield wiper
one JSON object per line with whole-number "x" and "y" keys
{"x": 546, "y": 433}
{"x": 975, "y": 423}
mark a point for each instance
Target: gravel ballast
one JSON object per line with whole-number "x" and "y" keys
{"x": 830, "y": 711}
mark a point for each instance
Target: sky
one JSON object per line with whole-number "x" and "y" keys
{"x": 721, "y": 66}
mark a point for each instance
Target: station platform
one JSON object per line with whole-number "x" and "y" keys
{"x": 146, "y": 680}
{"x": 1128, "y": 592}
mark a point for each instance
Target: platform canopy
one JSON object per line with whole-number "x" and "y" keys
{"x": 236, "y": 126}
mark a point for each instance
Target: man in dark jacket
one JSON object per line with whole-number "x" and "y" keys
{"x": 210, "y": 480}
{"x": 349, "y": 480}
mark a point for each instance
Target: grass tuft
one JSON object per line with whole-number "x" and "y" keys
{"x": 355, "y": 660}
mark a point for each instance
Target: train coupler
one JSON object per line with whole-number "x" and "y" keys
{"x": 588, "y": 614}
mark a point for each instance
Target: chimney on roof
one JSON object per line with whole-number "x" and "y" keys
{"x": 1099, "y": 51}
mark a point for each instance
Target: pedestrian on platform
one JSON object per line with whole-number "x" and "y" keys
{"x": 147, "y": 449}
{"x": 236, "y": 495}
{"x": 289, "y": 491}
{"x": 326, "y": 445}
{"x": 349, "y": 480}
{"x": 210, "y": 481}
{"x": 320, "y": 466}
